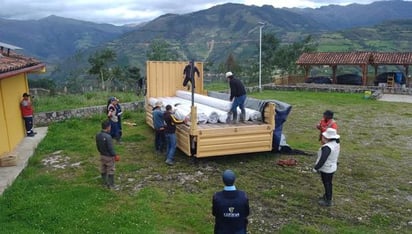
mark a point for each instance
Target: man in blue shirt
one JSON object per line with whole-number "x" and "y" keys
{"x": 230, "y": 207}
{"x": 159, "y": 126}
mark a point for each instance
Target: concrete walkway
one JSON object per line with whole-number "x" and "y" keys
{"x": 25, "y": 149}
{"x": 396, "y": 98}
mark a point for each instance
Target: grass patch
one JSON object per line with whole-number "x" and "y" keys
{"x": 72, "y": 101}
{"x": 371, "y": 194}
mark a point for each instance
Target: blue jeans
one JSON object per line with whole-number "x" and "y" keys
{"x": 238, "y": 102}
{"x": 171, "y": 146}
{"x": 28, "y": 123}
{"x": 115, "y": 130}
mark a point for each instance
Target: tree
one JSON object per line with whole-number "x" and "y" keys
{"x": 231, "y": 64}
{"x": 133, "y": 74}
{"x": 270, "y": 45}
{"x": 282, "y": 57}
{"x": 161, "y": 50}
{"x": 100, "y": 62}
{"x": 287, "y": 55}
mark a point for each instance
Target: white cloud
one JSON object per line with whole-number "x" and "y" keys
{"x": 132, "y": 11}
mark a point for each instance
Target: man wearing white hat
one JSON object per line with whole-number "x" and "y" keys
{"x": 237, "y": 97}
{"x": 327, "y": 163}
{"x": 159, "y": 126}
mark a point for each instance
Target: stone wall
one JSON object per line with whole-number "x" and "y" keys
{"x": 45, "y": 118}
{"x": 336, "y": 88}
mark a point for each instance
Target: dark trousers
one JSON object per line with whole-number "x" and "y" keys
{"x": 160, "y": 140}
{"x": 28, "y": 123}
{"x": 186, "y": 80}
{"x": 115, "y": 130}
{"x": 327, "y": 184}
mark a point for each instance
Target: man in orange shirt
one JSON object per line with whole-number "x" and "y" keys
{"x": 27, "y": 114}
{"x": 326, "y": 122}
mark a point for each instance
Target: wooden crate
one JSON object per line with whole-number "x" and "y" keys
{"x": 206, "y": 140}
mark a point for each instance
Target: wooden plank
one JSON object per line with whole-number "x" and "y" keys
{"x": 229, "y": 139}
{"x": 204, "y": 152}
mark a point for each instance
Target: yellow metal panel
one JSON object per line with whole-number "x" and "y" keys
{"x": 4, "y": 139}
{"x": 164, "y": 78}
{"x": 12, "y": 89}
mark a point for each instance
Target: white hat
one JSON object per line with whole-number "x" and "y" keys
{"x": 159, "y": 103}
{"x": 229, "y": 74}
{"x": 330, "y": 133}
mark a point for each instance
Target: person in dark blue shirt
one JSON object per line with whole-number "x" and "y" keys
{"x": 230, "y": 207}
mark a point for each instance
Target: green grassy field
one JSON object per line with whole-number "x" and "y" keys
{"x": 372, "y": 187}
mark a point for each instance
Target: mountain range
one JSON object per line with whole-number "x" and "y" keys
{"x": 212, "y": 34}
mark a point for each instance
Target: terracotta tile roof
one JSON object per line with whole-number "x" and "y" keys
{"x": 355, "y": 58}
{"x": 333, "y": 58}
{"x": 392, "y": 58}
{"x": 10, "y": 61}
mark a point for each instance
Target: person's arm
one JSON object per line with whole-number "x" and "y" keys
{"x": 175, "y": 120}
{"x": 214, "y": 208}
{"x": 111, "y": 110}
{"x": 247, "y": 209}
{"x": 324, "y": 156}
{"x": 110, "y": 146}
{"x": 232, "y": 90}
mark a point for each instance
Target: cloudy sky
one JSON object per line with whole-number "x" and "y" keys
{"x": 121, "y": 12}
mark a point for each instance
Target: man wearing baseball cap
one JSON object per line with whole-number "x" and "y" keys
{"x": 230, "y": 207}
{"x": 237, "y": 97}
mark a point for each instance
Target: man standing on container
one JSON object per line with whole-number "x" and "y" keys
{"x": 237, "y": 97}
{"x": 187, "y": 74}
{"x": 27, "y": 114}
{"x": 230, "y": 207}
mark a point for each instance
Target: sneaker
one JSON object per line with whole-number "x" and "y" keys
{"x": 169, "y": 162}
{"x": 30, "y": 135}
{"x": 114, "y": 187}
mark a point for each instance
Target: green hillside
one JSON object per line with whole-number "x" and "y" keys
{"x": 388, "y": 36}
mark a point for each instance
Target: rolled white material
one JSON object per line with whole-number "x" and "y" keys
{"x": 181, "y": 111}
{"x": 205, "y": 113}
{"x": 251, "y": 114}
{"x": 205, "y": 100}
